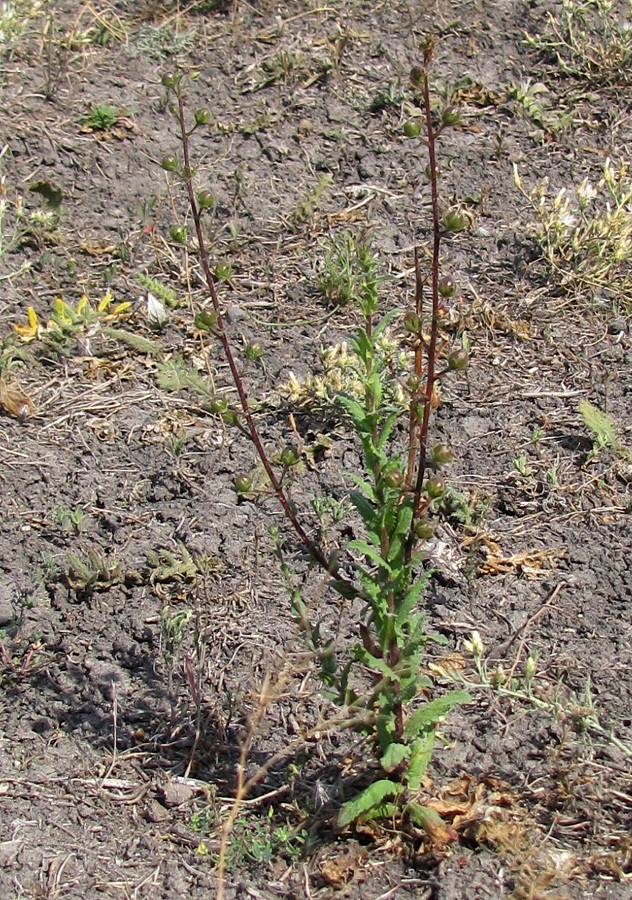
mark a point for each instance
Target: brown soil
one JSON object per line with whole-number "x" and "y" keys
{"x": 105, "y": 789}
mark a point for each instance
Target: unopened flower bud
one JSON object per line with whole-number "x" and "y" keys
{"x": 170, "y": 163}
{"x": 457, "y": 361}
{"x": 474, "y": 645}
{"x": 412, "y": 322}
{"x": 454, "y": 222}
{"x": 530, "y": 668}
{"x": 412, "y": 129}
{"x": 178, "y": 234}
{"x": 447, "y": 286}
{"x": 450, "y": 116}
{"x": 435, "y": 487}
{"x": 202, "y": 116}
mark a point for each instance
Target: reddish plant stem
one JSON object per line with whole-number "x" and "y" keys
{"x": 310, "y": 546}
{"x": 431, "y": 376}
{"x": 418, "y": 366}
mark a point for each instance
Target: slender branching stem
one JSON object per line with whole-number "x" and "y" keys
{"x": 431, "y": 376}
{"x": 310, "y": 546}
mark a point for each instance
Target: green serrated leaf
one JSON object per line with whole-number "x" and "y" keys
{"x": 376, "y": 389}
{"x": 368, "y": 799}
{"x": 344, "y": 589}
{"x": 394, "y": 756}
{"x": 420, "y": 756}
{"x": 432, "y": 712}
{"x": 426, "y": 818}
{"x": 410, "y": 600}
{"x": 354, "y": 409}
{"x": 400, "y": 534}
{"x": 383, "y": 811}
{"x": 135, "y": 341}
{"x": 364, "y": 486}
{"x": 364, "y": 507}
{"x": 386, "y": 320}
{"x": 387, "y": 429}
{"x": 370, "y": 552}
{"x": 361, "y": 343}
{"x": 377, "y": 664}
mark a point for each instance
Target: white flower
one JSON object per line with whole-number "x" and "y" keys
{"x": 585, "y": 193}
{"x": 156, "y": 313}
{"x": 474, "y": 645}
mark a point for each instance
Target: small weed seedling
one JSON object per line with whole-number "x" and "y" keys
{"x": 342, "y": 273}
{"x": 69, "y": 520}
{"x": 604, "y": 431}
{"x": 100, "y": 118}
{"x": 94, "y": 572}
{"x": 395, "y": 498}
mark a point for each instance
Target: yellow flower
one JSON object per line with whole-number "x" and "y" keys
{"x": 30, "y": 332}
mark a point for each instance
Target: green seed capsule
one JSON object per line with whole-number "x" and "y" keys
{"x": 435, "y": 487}
{"x": 243, "y": 484}
{"x": 218, "y": 406}
{"x": 178, "y": 234}
{"x": 454, "y": 222}
{"x": 457, "y": 361}
{"x": 412, "y": 129}
{"x": 202, "y": 116}
{"x": 450, "y": 116}
{"x": 253, "y": 351}
{"x": 447, "y": 286}
{"x": 423, "y": 530}
{"x": 441, "y": 454}
{"x": 205, "y": 321}
{"x": 170, "y": 163}
{"x": 417, "y": 76}
{"x": 288, "y": 458}
{"x": 394, "y": 479}
{"x": 205, "y": 200}
{"x": 412, "y": 322}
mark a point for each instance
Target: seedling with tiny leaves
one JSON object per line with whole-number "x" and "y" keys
{"x": 378, "y": 682}
{"x": 604, "y": 430}
{"x": 101, "y": 117}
